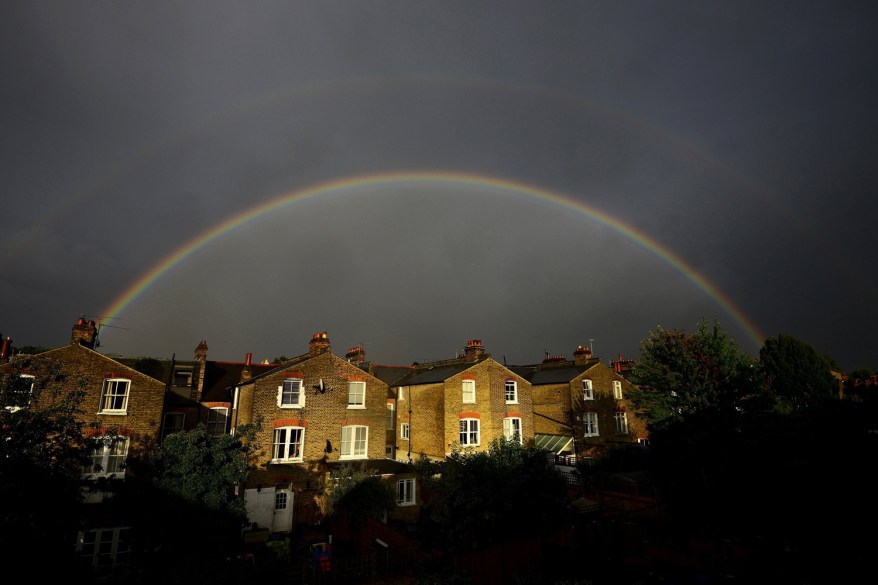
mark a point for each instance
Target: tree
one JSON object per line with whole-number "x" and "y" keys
{"x": 482, "y": 497}
{"x": 680, "y": 374}
{"x": 42, "y": 451}
{"x": 358, "y": 494}
{"x": 187, "y": 515}
{"x": 795, "y": 375}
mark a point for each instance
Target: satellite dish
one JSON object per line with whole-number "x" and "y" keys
{"x": 321, "y": 387}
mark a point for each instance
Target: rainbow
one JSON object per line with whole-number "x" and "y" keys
{"x": 120, "y": 304}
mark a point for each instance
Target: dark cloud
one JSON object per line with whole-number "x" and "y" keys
{"x": 738, "y": 136}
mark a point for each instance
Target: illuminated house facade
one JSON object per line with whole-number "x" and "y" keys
{"x": 581, "y": 406}
{"x": 317, "y": 412}
{"x": 314, "y": 413}
{"x": 461, "y": 403}
{"x": 121, "y": 413}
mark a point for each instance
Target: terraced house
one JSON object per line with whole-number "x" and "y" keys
{"x": 461, "y": 403}
{"x": 581, "y": 406}
{"x": 121, "y": 413}
{"x": 314, "y": 414}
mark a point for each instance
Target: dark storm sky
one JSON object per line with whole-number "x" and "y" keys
{"x": 739, "y": 136}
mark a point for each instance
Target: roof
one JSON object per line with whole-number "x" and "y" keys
{"x": 552, "y": 374}
{"x": 554, "y": 443}
{"x": 391, "y": 374}
{"x": 380, "y": 466}
{"x": 219, "y": 377}
{"x": 433, "y": 374}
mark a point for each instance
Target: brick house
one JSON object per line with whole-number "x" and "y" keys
{"x": 313, "y": 412}
{"x": 121, "y": 412}
{"x": 466, "y": 402}
{"x": 581, "y": 407}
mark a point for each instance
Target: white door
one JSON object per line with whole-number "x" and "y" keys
{"x": 260, "y": 506}
{"x": 283, "y": 511}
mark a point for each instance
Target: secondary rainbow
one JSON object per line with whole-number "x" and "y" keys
{"x": 251, "y": 215}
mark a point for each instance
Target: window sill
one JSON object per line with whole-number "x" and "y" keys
{"x": 512, "y": 402}
{"x": 113, "y": 412}
{"x": 286, "y": 461}
{"x": 349, "y": 457}
{"x": 298, "y": 406}
{"x": 357, "y": 406}
{"x": 405, "y": 504}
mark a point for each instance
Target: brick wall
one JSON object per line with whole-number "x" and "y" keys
{"x": 322, "y": 416}
{"x": 88, "y": 368}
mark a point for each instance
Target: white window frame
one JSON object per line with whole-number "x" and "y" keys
{"x": 356, "y": 398}
{"x": 405, "y": 492}
{"x": 106, "y": 550}
{"x": 356, "y": 444}
{"x": 468, "y": 389}
{"x": 621, "y": 419}
{"x": 29, "y": 394}
{"x": 587, "y": 390}
{"x": 169, "y": 429}
{"x": 391, "y": 417}
{"x": 110, "y": 396}
{"x": 590, "y": 424}
{"x": 404, "y": 431}
{"x": 470, "y": 432}
{"x": 286, "y": 395}
{"x": 514, "y": 385}
{"x": 617, "y": 389}
{"x": 107, "y": 453}
{"x": 510, "y": 432}
{"x": 213, "y": 420}
{"x": 288, "y": 445}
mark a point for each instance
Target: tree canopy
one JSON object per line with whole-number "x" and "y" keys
{"x": 795, "y": 374}
{"x": 485, "y": 496}
{"x": 42, "y": 450}
{"x": 358, "y": 493}
{"x": 680, "y": 374}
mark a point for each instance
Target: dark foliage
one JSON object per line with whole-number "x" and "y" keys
{"x": 480, "y": 498}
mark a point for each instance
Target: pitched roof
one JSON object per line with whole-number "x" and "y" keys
{"x": 220, "y": 377}
{"x": 433, "y": 374}
{"x": 390, "y": 375}
{"x": 538, "y": 374}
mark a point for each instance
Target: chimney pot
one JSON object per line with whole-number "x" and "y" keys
{"x": 248, "y": 358}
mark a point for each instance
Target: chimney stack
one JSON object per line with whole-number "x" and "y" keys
{"x": 356, "y": 355}
{"x": 581, "y": 355}
{"x": 319, "y": 344}
{"x": 6, "y": 349}
{"x": 84, "y": 333}
{"x": 474, "y": 350}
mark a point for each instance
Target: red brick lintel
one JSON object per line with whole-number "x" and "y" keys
{"x": 469, "y": 415}
{"x": 289, "y": 422}
{"x": 108, "y": 431}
